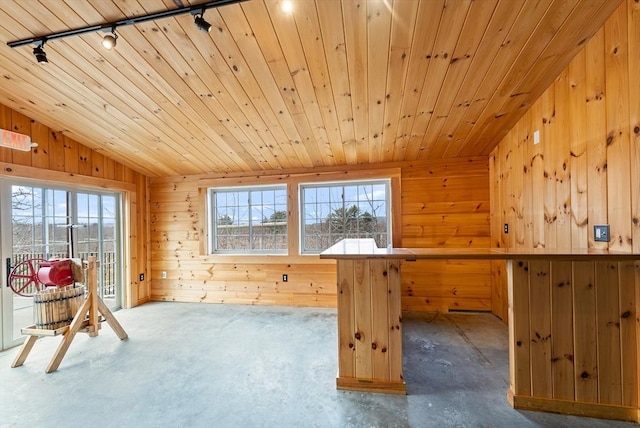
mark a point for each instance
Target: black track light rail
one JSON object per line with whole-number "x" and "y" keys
{"x": 192, "y": 9}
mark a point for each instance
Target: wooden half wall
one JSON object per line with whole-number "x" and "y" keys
{"x": 585, "y": 170}
{"x": 61, "y": 160}
{"x": 435, "y": 204}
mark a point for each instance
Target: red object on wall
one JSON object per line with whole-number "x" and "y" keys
{"x": 56, "y": 272}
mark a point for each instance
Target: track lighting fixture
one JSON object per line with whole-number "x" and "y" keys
{"x": 109, "y": 41}
{"x": 201, "y": 23}
{"x": 40, "y": 54}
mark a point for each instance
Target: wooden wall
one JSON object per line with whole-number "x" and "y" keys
{"x": 446, "y": 204}
{"x": 575, "y": 337}
{"x": 59, "y": 159}
{"x": 443, "y": 203}
{"x": 586, "y": 168}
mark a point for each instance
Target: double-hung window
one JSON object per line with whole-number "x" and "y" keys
{"x": 331, "y": 212}
{"x": 249, "y": 220}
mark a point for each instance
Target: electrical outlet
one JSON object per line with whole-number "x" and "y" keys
{"x": 141, "y": 277}
{"x": 163, "y": 275}
{"x": 506, "y": 228}
{"x": 601, "y": 233}
{"x": 285, "y": 277}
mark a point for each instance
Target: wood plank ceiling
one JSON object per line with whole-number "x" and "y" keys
{"x": 333, "y": 83}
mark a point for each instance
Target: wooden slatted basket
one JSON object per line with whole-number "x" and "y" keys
{"x": 55, "y": 307}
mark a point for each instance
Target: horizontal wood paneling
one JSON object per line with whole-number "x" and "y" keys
{"x": 585, "y": 170}
{"x": 440, "y": 206}
{"x": 446, "y": 204}
{"x": 59, "y": 159}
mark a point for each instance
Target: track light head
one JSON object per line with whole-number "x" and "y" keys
{"x": 201, "y": 23}
{"x": 109, "y": 41}
{"x": 40, "y": 54}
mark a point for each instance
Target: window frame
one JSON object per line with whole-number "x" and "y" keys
{"x": 343, "y": 183}
{"x": 213, "y": 226}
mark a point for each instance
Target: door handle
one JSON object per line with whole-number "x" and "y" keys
{"x": 9, "y": 267}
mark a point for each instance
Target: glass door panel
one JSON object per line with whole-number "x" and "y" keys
{"x": 44, "y": 223}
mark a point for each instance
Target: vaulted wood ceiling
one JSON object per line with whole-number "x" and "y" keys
{"x": 333, "y": 83}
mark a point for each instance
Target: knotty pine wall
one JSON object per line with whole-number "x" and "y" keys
{"x": 443, "y": 203}
{"x": 59, "y": 159}
{"x": 586, "y": 168}
{"x": 446, "y": 204}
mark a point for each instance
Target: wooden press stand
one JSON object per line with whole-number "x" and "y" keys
{"x": 86, "y": 320}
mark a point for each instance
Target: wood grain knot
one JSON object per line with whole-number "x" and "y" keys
{"x": 358, "y": 336}
{"x": 374, "y": 346}
{"x": 584, "y": 375}
{"x": 626, "y": 314}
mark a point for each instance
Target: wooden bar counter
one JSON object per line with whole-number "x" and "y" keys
{"x": 574, "y": 324}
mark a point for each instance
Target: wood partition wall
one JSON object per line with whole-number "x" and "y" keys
{"x": 436, "y": 204}
{"x": 61, "y": 160}
{"x": 586, "y": 169}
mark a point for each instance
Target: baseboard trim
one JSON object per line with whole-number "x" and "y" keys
{"x": 576, "y": 408}
{"x": 365, "y": 385}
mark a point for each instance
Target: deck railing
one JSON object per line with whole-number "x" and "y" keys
{"x": 107, "y": 274}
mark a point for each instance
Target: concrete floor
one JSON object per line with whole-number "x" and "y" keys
{"x": 200, "y": 365}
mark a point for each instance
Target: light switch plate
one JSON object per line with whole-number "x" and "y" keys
{"x": 601, "y": 233}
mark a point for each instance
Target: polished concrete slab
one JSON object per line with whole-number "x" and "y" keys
{"x": 201, "y": 365}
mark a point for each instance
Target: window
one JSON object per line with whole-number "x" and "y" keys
{"x": 58, "y": 223}
{"x": 334, "y": 211}
{"x": 249, "y": 220}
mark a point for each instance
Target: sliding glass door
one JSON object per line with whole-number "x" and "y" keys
{"x": 42, "y": 222}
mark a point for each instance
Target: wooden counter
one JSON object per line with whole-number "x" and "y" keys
{"x": 574, "y": 324}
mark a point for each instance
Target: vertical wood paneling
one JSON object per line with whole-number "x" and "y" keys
{"x": 57, "y": 151}
{"x": 71, "y": 155}
{"x": 40, "y": 155}
{"x": 346, "y": 323}
{"x": 608, "y": 328}
{"x": 518, "y": 177}
{"x": 588, "y": 321}
{"x": 540, "y": 328}
{"x": 578, "y": 142}
{"x": 634, "y": 122}
{"x": 584, "y": 332}
{"x": 617, "y": 113}
{"x": 628, "y": 333}
{"x": 5, "y": 123}
{"x": 380, "y": 322}
{"x": 549, "y": 192}
{"x": 586, "y": 169}
{"x": 85, "y": 160}
{"x": 597, "y": 171}
{"x": 21, "y": 124}
{"x": 562, "y": 168}
{"x": 562, "y": 352}
{"x": 537, "y": 178}
{"x": 362, "y": 313}
{"x": 519, "y": 327}
{"x": 369, "y": 326}
{"x": 395, "y": 321}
